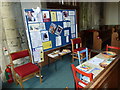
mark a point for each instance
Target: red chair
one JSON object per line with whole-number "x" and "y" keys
{"x": 25, "y": 71}
{"x": 113, "y": 48}
{"x": 78, "y": 82}
{"x": 77, "y": 46}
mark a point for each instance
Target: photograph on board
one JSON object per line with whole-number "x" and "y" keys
{"x": 44, "y": 36}
{"x": 65, "y": 15}
{"x": 52, "y": 28}
{"x": 46, "y": 16}
{"x": 58, "y": 30}
{"x": 30, "y": 16}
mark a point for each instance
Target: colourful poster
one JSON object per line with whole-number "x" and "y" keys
{"x": 52, "y": 28}
{"x": 47, "y": 45}
{"x": 53, "y": 16}
{"x": 46, "y": 16}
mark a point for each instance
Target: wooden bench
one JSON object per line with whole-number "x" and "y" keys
{"x": 97, "y": 39}
{"x": 101, "y": 38}
{"x": 87, "y": 38}
{"x": 115, "y": 41}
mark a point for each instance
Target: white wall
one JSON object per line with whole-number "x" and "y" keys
{"x": 111, "y": 13}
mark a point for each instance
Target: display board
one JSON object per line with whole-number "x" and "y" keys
{"x": 49, "y": 29}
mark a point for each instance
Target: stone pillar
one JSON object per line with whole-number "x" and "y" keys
{"x": 10, "y": 34}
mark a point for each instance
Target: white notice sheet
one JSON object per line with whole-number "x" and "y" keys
{"x": 96, "y": 60}
{"x": 36, "y": 38}
{"x": 58, "y": 41}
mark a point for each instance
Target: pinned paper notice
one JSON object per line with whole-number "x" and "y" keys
{"x": 66, "y": 32}
{"x": 59, "y": 16}
{"x": 53, "y": 16}
{"x": 72, "y": 19}
{"x": 34, "y": 26}
{"x": 38, "y": 54}
{"x": 73, "y": 35}
{"x": 36, "y": 38}
{"x": 73, "y": 28}
{"x": 42, "y": 26}
{"x": 71, "y": 12}
{"x": 67, "y": 38}
{"x": 47, "y": 45}
{"x": 58, "y": 41}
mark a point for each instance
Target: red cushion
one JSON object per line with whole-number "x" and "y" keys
{"x": 76, "y": 41}
{"x": 79, "y": 49}
{"x": 20, "y": 54}
{"x": 26, "y": 69}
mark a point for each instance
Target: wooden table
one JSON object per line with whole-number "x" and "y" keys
{"x": 58, "y": 55}
{"x": 105, "y": 77}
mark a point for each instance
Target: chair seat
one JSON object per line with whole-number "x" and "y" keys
{"x": 26, "y": 69}
{"x": 79, "y": 49}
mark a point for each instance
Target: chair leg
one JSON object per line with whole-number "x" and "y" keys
{"x": 21, "y": 83}
{"x": 40, "y": 77}
{"x": 89, "y": 55}
{"x": 15, "y": 78}
{"x": 66, "y": 88}
{"x": 72, "y": 58}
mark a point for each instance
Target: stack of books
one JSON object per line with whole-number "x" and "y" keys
{"x": 64, "y": 51}
{"x": 57, "y": 53}
{"x": 54, "y": 54}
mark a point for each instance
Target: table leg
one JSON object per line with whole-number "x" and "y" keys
{"x": 48, "y": 61}
{"x": 55, "y": 64}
